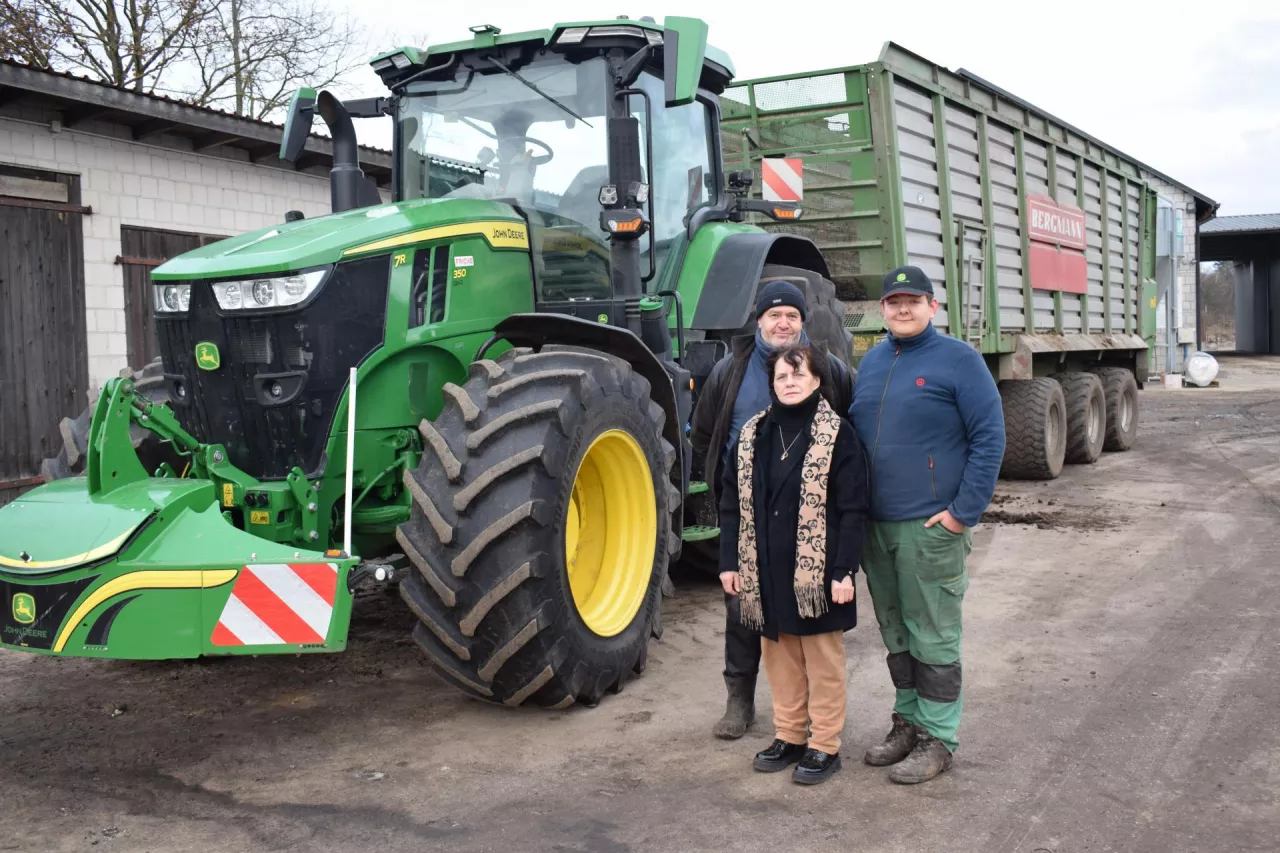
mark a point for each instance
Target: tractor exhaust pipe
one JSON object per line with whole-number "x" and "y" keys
{"x": 346, "y": 177}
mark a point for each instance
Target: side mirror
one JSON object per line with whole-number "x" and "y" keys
{"x": 297, "y": 125}
{"x": 684, "y": 47}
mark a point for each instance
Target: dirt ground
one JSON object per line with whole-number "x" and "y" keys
{"x": 1121, "y": 665}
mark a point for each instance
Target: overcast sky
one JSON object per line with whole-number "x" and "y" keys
{"x": 1191, "y": 89}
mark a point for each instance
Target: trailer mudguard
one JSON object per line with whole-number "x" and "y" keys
{"x": 729, "y": 292}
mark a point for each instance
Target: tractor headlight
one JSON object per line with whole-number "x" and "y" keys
{"x": 276, "y": 292}
{"x": 172, "y": 298}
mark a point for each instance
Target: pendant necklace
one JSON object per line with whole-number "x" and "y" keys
{"x": 786, "y": 448}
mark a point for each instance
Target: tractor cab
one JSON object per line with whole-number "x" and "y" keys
{"x": 561, "y": 130}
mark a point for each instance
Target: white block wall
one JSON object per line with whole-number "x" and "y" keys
{"x": 150, "y": 186}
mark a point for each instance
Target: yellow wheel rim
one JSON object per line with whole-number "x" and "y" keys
{"x": 611, "y": 529}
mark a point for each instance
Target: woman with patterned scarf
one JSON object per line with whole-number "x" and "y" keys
{"x": 792, "y": 510}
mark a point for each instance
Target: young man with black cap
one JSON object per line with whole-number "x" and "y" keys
{"x": 736, "y": 391}
{"x": 927, "y": 410}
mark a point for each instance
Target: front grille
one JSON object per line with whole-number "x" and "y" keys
{"x": 311, "y": 350}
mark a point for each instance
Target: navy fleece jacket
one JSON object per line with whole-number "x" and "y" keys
{"x": 929, "y": 414}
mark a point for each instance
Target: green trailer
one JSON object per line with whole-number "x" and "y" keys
{"x": 1040, "y": 238}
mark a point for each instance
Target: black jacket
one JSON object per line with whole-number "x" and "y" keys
{"x": 776, "y": 488}
{"x": 709, "y": 427}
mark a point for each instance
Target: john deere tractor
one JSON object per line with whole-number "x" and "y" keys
{"x": 491, "y": 377}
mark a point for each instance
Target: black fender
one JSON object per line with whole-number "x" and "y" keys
{"x": 538, "y": 330}
{"x": 729, "y": 293}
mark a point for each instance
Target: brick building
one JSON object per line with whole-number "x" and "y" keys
{"x": 97, "y": 186}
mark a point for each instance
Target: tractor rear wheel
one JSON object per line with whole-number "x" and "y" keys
{"x": 69, "y": 462}
{"x": 540, "y": 529}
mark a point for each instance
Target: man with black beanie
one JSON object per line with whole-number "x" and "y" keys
{"x": 736, "y": 391}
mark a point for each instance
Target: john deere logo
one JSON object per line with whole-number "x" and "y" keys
{"x": 207, "y": 356}
{"x": 24, "y": 609}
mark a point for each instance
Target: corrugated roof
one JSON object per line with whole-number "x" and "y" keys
{"x": 157, "y": 97}
{"x": 1249, "y": 223}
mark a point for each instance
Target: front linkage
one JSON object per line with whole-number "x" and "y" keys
{"x": 288, "y": 515}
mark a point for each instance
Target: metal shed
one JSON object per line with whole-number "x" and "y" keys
{"x": 1251, "y": 244}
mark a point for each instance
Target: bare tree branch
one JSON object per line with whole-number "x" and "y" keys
{"x": 252, "y": 54}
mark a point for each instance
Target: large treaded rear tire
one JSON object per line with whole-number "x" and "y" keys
{"x": 1120, "y": 390}
{"x": 1035, "y": 426}
{"x": 487, "y": 531}
{"x": 1086, "y": 417}
{"x": 149, "y": 383}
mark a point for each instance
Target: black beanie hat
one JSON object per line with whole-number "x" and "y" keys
{"x": 777, "y": 293}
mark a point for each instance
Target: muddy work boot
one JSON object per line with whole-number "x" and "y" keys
{"x": 740, "y": 708}
{"x": 927, "y": 759}
{"x": 896, "y": 746}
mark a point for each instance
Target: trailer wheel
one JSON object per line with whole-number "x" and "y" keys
{"x": 540, "y": 530}
{"x": 1086, "y": 416}
{"x": 69, "y": 462}
{"x": 1035, "y": 423}
{"x": 1120, "y": 391}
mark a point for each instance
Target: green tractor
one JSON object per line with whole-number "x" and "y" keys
{"x": 480, "y": 390}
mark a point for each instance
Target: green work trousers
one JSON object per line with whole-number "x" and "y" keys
{"x": 917, "y": 577}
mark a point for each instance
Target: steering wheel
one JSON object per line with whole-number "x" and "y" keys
{"x": 540, "y": 159}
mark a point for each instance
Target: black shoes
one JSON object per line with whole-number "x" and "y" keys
{"x": 815, "y": 767}
{"x": 896, "y": 746}
{"x": 778, "y": 756}
{"x": 927, "y": 759}
{"x": 739, "y": 709}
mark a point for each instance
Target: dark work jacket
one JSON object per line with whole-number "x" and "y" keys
{"x": 710, "y": 424}
{"x": 776, "y": 488}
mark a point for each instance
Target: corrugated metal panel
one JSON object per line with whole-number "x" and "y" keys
{"x": 918, "y": 166}
{"x": 1008, "y": 228}
{"x": 960, "y": 208}
{"x": 1242, "y": 224}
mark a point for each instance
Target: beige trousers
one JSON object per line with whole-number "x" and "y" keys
{"x": 806, "y": 675}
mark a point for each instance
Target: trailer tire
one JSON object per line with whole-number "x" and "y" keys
{"x": 543, "y": 473}
{"x": 1120, "y": 391}
{"x": 74, "y": 432}
{"x": 824, "y": 317}
{"x": 1086, "y": 416}
{"x": 1035, "y": 426}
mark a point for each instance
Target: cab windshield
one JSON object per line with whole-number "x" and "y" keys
{"x": 485, "y": 134}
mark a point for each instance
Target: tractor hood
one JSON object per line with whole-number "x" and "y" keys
{"x": 328, "y": 239}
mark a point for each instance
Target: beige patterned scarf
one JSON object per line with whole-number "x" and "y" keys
{"x": 811, "y": 536}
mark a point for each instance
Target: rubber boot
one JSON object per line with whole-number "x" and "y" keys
{"x": 740, "y": 708}
{"x": 927, "y": 759}
{"x": 896, "y": 745}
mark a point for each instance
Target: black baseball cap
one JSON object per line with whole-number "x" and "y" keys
{"x": 907, "y": 279}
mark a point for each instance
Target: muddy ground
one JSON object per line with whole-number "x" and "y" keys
{"x": 1121, "y": 664}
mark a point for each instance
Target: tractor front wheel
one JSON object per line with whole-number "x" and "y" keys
{"x": 541, "y": 528}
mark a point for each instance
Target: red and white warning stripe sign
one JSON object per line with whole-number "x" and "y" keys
{"x": 783, "y": 178}
{"x": 278, "y": 603}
